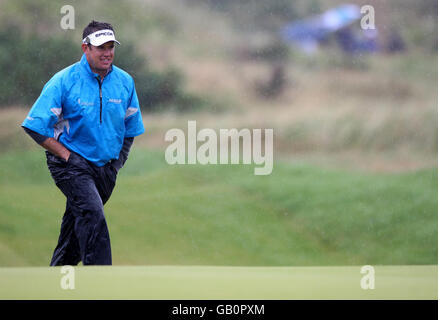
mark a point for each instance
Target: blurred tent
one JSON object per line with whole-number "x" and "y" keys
{"x": 308, "y": 34}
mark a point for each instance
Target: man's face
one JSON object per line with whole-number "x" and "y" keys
{"x": 101, "y": 57}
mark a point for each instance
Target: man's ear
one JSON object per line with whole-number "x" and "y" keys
{"x": 84, "y": 47}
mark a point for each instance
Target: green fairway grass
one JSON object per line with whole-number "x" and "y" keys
{"x": 206, "y": 283}
{"x": 299, "y": 215}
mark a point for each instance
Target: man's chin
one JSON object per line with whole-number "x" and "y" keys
{"x": 103, "y": 68}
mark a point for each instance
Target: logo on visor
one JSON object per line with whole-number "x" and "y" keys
{"x": 107, "y": 33}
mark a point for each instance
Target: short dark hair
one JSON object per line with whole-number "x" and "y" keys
{"x": 94, "y": 26}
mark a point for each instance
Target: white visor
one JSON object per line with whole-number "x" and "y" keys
{"x": 100, "y": 37}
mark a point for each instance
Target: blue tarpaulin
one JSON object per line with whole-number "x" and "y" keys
{"x": 308, "y": 33}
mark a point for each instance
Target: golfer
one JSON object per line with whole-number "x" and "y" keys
{"x": 86, "y": 118}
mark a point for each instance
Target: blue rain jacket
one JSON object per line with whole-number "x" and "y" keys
{"x": 88, "y": 116}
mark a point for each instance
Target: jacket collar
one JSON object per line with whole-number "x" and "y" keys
{"x": 86, "y": 67}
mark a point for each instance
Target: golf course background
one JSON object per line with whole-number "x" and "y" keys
{"x": 355, "y": 156}
{"x": 218, "y": 283}
{"x": 225, "y": 215}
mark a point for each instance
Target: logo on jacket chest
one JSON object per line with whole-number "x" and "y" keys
{"x": 85, "y": 103}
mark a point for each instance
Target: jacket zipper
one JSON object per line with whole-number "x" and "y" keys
{"x": 100, "y": 96}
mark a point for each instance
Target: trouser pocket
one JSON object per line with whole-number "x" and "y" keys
{"x": 57, "y": 167}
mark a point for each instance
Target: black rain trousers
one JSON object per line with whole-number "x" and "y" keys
{"x": 84, "y": 233}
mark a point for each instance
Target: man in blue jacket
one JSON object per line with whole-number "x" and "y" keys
{"x": 86, "y": 118}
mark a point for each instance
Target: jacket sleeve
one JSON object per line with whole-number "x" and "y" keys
{"x": 35, "y": 136}
{"x": 44, "y": 114}
{"x": 133, "y": 119}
